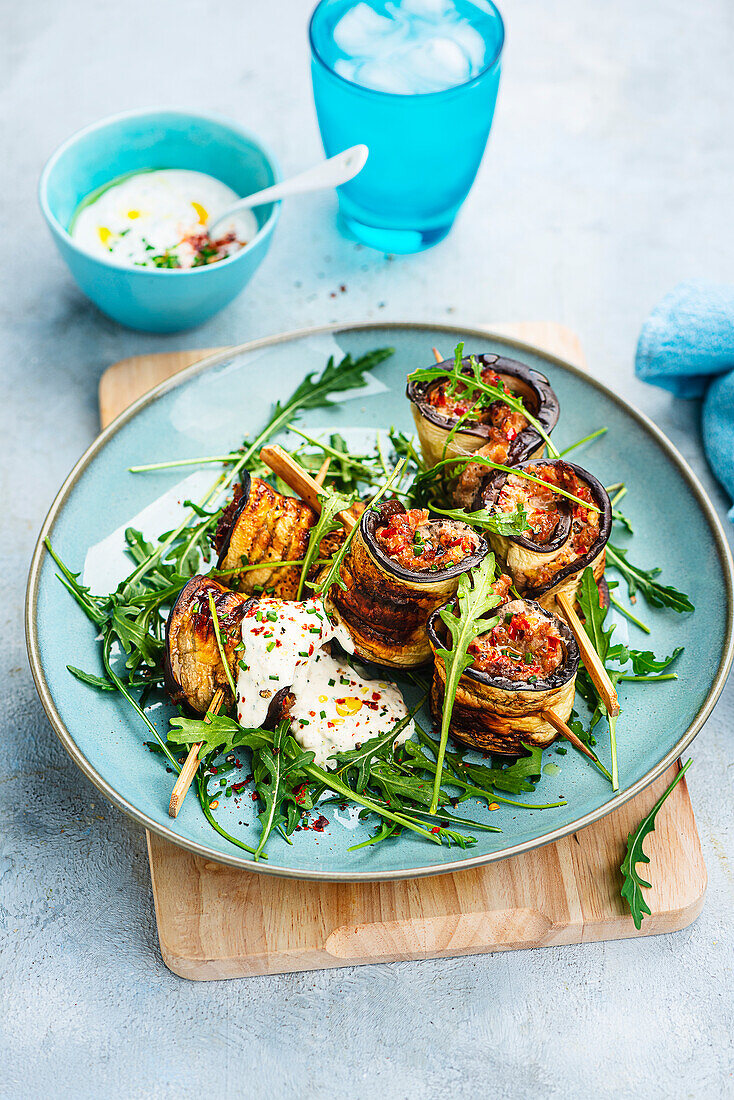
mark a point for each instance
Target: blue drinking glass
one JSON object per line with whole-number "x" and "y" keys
{"x": 425, "y": 148}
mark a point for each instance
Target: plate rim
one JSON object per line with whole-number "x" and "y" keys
{"x": 206, "y": 363}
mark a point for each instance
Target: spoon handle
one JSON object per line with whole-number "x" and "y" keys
{"x": 329, "y": 173}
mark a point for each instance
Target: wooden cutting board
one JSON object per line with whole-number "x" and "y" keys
{"x": 215, "y": 921}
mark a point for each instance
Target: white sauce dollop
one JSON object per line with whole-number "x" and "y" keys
{"x": 155, "y": 219}
{"x": 335, "y": 709}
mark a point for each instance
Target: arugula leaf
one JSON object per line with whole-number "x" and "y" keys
{"x": 601, "y": 639}
{"x": 475, "y": 597}
{"x": 357, "y": 763}
{"x": 217, "y": 732}
{"x": 595, "y": 617}
{"x": 397, "y": 784}
{"x": 646, "y": 662}
{"x": 519, "y": 777}
{"x": 100, "y": 682}
{"x": 103, "y": 684}
{"x": 657, "y": 594}
{"x": 331, "y": 503}
{"x": 501, "y": 523}
{"x": 335, "y": 378}
{"x": 404, "y": 447}
{"x": 516, "y": 778}
{"x": 132, "y": 628}
{"x": 633, "y": 882}
{"x": 275, "y": 770}
{"x": 622, "y": 520}
{"x": 92, "y": 606}
{"x": 333, "y": 572}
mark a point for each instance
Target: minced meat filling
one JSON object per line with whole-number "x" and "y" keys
{"x": 524, "y": 645}
{"x": 544, "y": 510}
{"x": 420, "y": 544}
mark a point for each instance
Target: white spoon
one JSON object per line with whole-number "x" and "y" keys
{"x": 330, "y": 173}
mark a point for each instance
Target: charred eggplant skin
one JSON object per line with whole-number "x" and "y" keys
{"x": 498, "y": 715}
{"x": 264, "y": 526}
{"x": 386, "y": 607}
{"x": 568, "y": 578}
{"x": 193, "y": 668}
{"x": 434, "y": 427}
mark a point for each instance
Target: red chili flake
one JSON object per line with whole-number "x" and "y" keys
{"x": 435, "y": 829}
{"x": 320, "y": 823}
{"x": 254, "y": 796}
{"x": 237, "y": 787}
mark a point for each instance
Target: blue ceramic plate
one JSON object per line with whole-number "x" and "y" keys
{"x": 208, "y": 409}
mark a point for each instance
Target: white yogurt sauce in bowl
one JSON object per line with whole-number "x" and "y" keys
{"x": 335, "y": 708}
{"x": 159, "y": 218}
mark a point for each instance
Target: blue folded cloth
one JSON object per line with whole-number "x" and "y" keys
{"x": 687, "y": 347}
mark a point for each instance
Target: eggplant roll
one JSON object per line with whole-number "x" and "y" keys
{"x": 564, "y": 537}
{"x": 525, "y": 664}
{"x": 498, "y": 432}
{"x": 261, "y": 525}
{"x": 193, "y": 667}
{"x": 399, "y": 568}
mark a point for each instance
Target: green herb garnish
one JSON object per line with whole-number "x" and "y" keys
{"x": 633, "y": 882}
{"x": 475, "y": 597}
{"x": 657, "y": 594}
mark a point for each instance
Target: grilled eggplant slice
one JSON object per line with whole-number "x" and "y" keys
{"x": 526, "y": 664}
{"x": 193, "y": 666}
{"x": 498, "y": 433}
{"x": 386, "y": 605}
{"x": 564, "y": 538}
{"x": 262, "y": 525}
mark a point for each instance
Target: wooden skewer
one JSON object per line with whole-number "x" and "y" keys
{"x": 589, "y": 656}
{"x": 294, "y": 475}
{"x": 563, "y": 729}
{"x": 437, "y": 353}
{"x": 188, "y": 771}
{"x": 321, "y": 475}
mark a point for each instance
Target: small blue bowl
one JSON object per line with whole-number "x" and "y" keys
{"x": 158, "y": 299}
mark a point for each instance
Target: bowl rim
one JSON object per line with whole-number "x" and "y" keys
{"x": 140, "y": 112}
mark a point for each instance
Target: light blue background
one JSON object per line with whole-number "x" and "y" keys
{"x": 588, "y": 207}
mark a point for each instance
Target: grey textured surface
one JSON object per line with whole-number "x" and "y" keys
{"x": 608, "y": 178}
